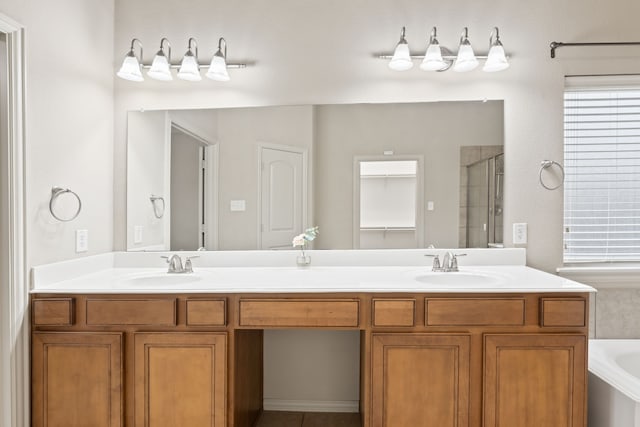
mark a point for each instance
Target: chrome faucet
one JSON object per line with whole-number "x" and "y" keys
{"x": 450, "y": 261}
{"x": 176, "y": 266}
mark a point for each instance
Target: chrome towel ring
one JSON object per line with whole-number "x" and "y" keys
{"x": 546, "y": 164}
{"x": 158, "y": 206}
{"x": 57, "y": 192}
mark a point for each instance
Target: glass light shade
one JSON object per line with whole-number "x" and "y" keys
{"x": 433, "y": 59}
{"x": 466, "y": 59}
{"x": 130, "y": 69}
{"x": 160, "y": 69}
{"x": 496, "y": 60}
{"x": 189, "y": 69}
{"x": 401, "y": 60}
{"x": 218, "y": 68}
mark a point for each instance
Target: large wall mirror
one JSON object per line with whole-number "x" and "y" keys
{"x": 252, "y": 178}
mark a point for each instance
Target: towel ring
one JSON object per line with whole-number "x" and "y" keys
{"x": 57, "y": 192}
{"x": 158, "y": 213}
{"x": 545, "y": 164}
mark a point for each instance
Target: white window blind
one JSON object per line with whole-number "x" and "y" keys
{"x": 602, "y": 174}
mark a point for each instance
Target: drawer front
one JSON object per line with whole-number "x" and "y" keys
{"x": 202, "y": 312}
{"x": 474, "y": 311}
{"x": 52, "y": 312}
{"x": 104, "y": 311}
{"x": 394, "y": 312}
{"x": 299, "y": 313}
{"x": 563, "y": 312}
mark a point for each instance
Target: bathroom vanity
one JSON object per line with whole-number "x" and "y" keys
{"x": 491, "y": 345}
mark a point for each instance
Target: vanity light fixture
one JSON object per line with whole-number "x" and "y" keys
{"x": 218, "y": 68}
{"x": 160, "y": 68}
{"x": 496, "y": 59}
{"x": 433, "y": 60}
{"x": 131, "y": 68}
{"x": 466, "y": 59}
{"x": 439, "y": 58}
{"x": 401, "y": 59}
{"x": 188, "y": 69}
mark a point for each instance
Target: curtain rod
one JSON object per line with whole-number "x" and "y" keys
{"x": 556, "y": 45}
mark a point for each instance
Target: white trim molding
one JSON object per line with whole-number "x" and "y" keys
{"x": 311, "y": 405}
{"x": 14, "y": 296}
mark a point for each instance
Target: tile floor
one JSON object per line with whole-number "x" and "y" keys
{"x": 308, "y": 419}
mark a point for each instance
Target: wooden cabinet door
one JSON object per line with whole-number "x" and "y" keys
{"x": 420, "y": 380}
{"x": 76, "y": 379}
{"x": 180, "y": 379}
{"x": 534, "y": 380}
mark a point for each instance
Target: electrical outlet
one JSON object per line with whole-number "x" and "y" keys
{"x": 520, "y": 233}
{"x": 82, "y": 241}
{"x": 137, "y": 234}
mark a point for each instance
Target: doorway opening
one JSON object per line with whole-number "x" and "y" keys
{"x": 387, "y": 202}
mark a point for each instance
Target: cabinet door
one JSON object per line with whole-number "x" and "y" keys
{"x": 534, "y": 380}
{"x": 420, "y": 380}
{"x": 180, "y": 379}
{"x": 76, "y": 379}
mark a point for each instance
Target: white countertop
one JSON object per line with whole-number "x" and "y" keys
{"x": 143, "y": 273}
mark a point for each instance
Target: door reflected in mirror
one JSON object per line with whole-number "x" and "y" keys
{"x": 226, "y": 206}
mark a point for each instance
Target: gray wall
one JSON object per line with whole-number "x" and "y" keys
{"x": 432, "y": 130}
{"x": 69, "y": 121}
{"x": 147, "y": 174}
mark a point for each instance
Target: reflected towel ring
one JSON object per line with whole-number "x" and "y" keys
{"x": 545, "y": 164}
{"x": 158, "y": 208}
{"x": 57, "y": 192}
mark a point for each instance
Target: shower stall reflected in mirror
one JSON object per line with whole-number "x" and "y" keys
{"x": 481, "y": 196}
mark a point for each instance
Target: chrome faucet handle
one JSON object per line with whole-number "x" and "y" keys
{"x": 454, "y": 261}
{"x": 436, "y": 262}
{"x": 188, "y": 266}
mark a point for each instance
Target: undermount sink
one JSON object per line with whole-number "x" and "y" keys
{"x": 461, "y": 279}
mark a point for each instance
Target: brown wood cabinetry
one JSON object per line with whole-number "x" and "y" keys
{"x": 420, "y": 380}
{"x": 76, "y": 379}
{"x": 538, "y": 380}
{"x": 446, "y": 360}
{"x": 180, "y": 379}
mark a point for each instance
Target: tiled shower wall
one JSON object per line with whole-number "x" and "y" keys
{"x": 615, "y": 313}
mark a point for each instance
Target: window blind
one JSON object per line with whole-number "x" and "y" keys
{"x": 602, "y": 174}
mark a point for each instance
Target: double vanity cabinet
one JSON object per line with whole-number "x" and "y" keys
{"x": 456, "y": 358}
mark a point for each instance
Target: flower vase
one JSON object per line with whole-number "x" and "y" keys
{"x": 303, "y": 260}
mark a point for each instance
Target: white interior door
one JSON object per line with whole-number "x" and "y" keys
{"x": 282, "y": 194}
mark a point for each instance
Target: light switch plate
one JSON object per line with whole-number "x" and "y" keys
{"x": 520, "y": 233}
{"x": 238, "y": 205}
{"x": 82, "y": 241}
{"x": 137, "y": 234}
{"x": 430, "y": 206}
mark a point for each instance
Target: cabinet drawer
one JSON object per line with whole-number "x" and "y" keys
{"x": 474, "y": 311}
{"x": 563, "y": 312}
{"x": 394, "y": 312}
{"x": 202, "y": 312}
{"x": 299, "y": 312}
{"x": 104, "y": 311}
{"x": 52, "y": 312}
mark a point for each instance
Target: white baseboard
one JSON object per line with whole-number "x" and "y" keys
{"x": 311, "y": 405}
